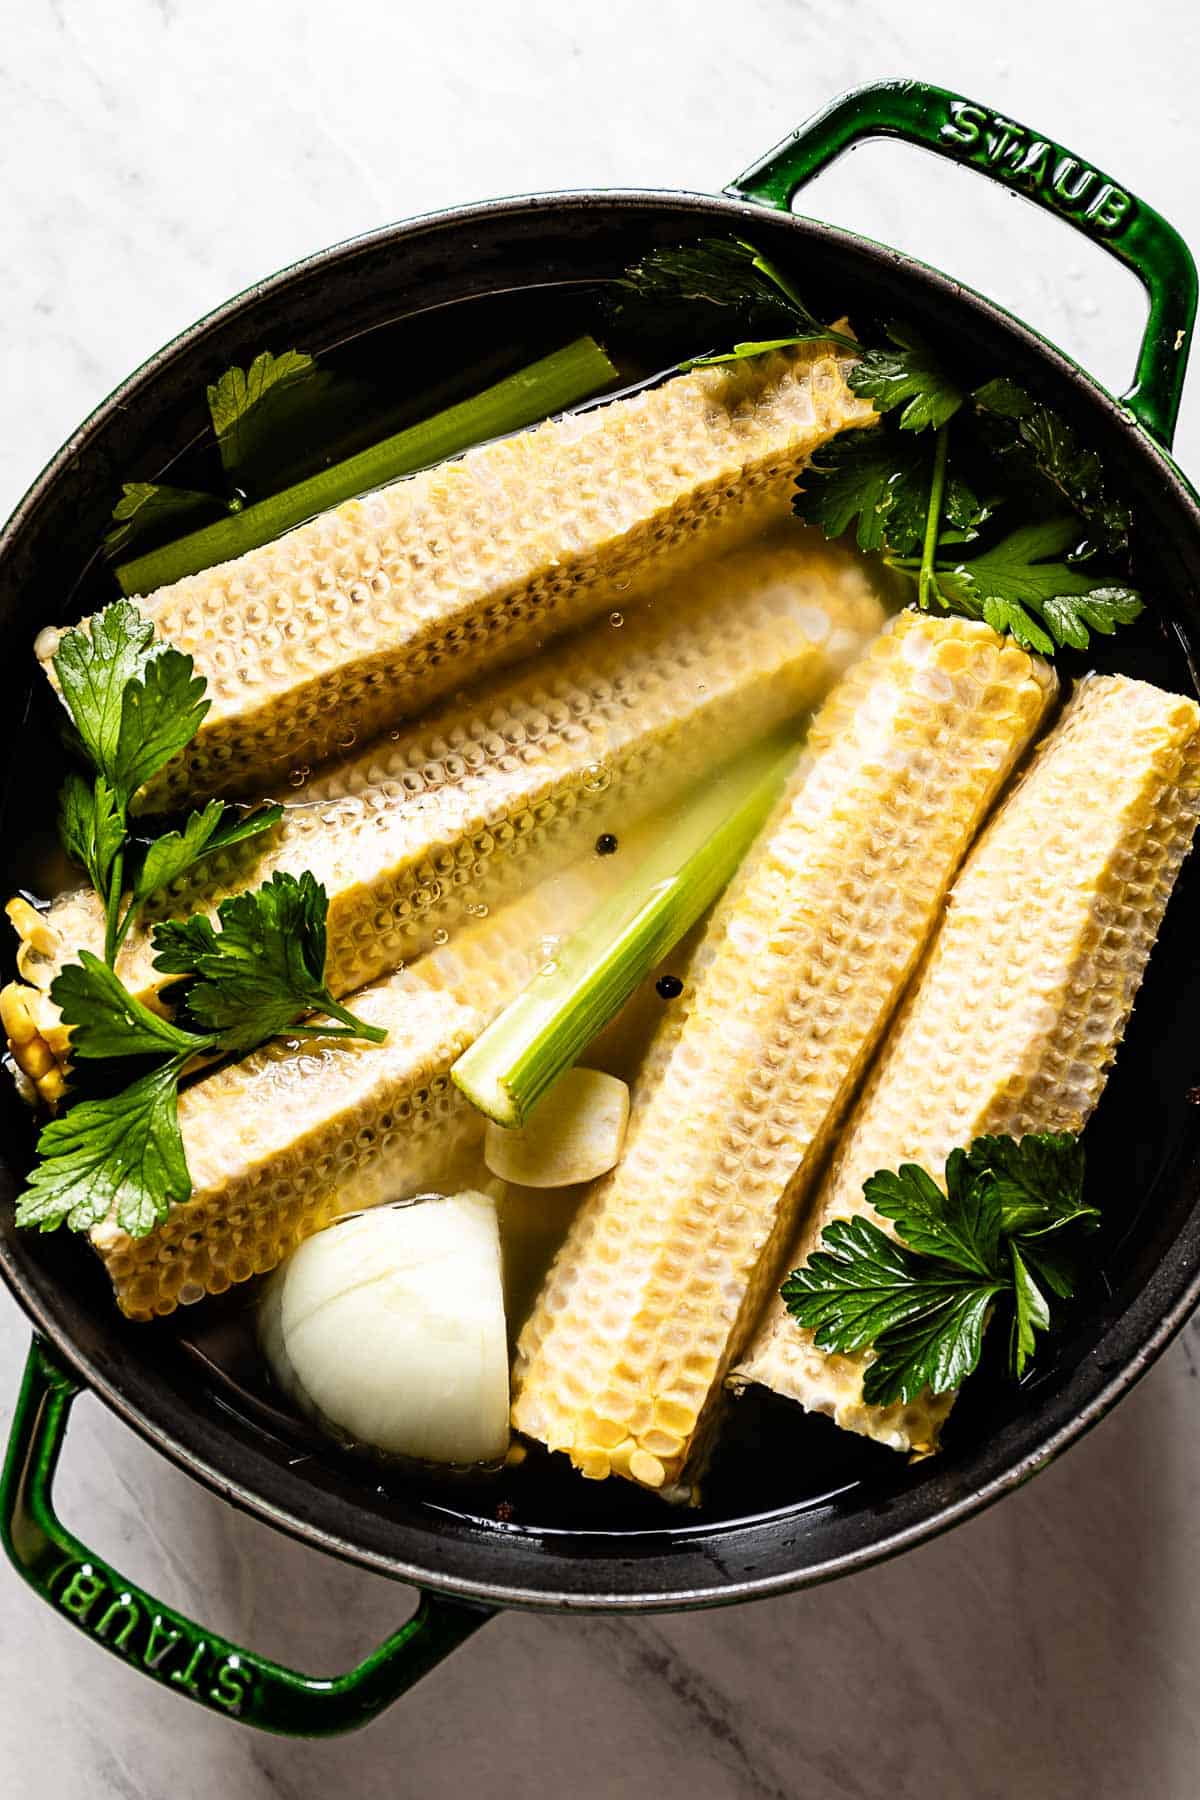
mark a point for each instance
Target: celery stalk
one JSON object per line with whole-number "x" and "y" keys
{"x": 540, "y": 1034}
{"x": 551, "y": 385}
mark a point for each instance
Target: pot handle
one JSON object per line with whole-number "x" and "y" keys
{"x": 1046, "y": 173}
{"x": 162, "y": 1643}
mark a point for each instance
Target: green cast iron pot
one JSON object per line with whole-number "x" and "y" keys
{"x": 792, "y": 1502}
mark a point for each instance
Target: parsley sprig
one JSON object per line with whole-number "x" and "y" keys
{"x": 134, "y": 703}
{"x": 923, "y": 486}
{"x": 257, "y": 971}
{"x": 990, "y": 1237}
{"x": 1036, "y": 583}
{"x": 256, "y": 974}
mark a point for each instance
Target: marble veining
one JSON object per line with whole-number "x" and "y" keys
{"x": 155, "y": 157}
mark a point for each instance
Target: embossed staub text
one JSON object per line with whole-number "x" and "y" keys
{"x": 1037, "y": 165}
{"x": 160, "y": 1645}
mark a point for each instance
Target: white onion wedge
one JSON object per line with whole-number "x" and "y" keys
{"x": 574, "y": 1133}
{"x": 388, "y": 1327}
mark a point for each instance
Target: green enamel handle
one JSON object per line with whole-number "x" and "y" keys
{"x": 1048, "y": 174}
{"x": 162, "y": 1643}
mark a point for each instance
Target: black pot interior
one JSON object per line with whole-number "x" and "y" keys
{"x": 789, "y": 1498}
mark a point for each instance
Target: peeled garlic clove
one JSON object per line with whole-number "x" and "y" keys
{"x": 574, "y": 1134}
{"x": 388, "y": 1327}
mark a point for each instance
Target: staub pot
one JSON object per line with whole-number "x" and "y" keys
{"x": 792, "y": 1506}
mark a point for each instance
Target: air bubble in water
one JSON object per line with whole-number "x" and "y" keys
{"x": 347, "y": 742}
{"x": 440, "y": 936}
{"x": 298, "y": 777}
{"x": 616, "y": 618}
{"x": 596, "y": 778}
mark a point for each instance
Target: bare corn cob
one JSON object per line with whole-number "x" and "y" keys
{"x": 1016, "y": 1015}
{"x": 416, "y": 833}
{"x": 304, "y": 1130}
{"x": 373, "y": 611}
{"x": 672, "y": 1255}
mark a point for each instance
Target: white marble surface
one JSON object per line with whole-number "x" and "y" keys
{"x": 156, "y": 155}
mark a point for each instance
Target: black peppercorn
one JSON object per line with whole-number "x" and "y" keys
{"x": 669, "y": 986}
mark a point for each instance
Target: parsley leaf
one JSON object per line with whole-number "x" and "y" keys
{"x": 1031, "y": 1313}
{"x": 907, "y": 375}
{"x": 1032, "y": 441}
{"x": 1020, "y": 586}
{"x": 134, "y": 702}
{"x": 962, "y": 1225}
{"x": 937, "y": 1349}
{"x": 154, "y": 511}
{"x": 203, "y": 834}
{"x": 1038, "y": 1179}
{"x": 251, "y": 979}
{"x": 919, "y": 1303}
{"x": 94, "y": 668}
{"x": 964, "y": 511}
{"x": 1053, "y": 1262}
{"x": 262, "y": 970}
{"x": 869, "y": 479}
{"x": 732, "y": 277}
{"x": 107, "y": 1020}
{"x": 161, "y": 712}
{"x": 123, "y": 1153}
{"x": 858, "y": 1286}
{"x": 259, "y": 413}
{"x": 90, "y": 827}
{"x": 233, "y": 398}
{"x": 727, "y": 274}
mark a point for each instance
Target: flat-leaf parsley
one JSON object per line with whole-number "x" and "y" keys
{"x": 919, "y": 1301}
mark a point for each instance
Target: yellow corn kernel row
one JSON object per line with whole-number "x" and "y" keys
{"x": 672, "y": 1256}
{"x": 1015, "y": 1018}
{"x": 415, "y": 834}
{"x": 307, "y": 1129}
{"x": 35, "y": 1039}
{"x": 371, "y": 612}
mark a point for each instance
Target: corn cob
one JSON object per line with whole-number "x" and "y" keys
{"x": 1017, "y": 1012}
{"x": 371, "y": 612}
{"x": 304, "y": 1130}
{"x": 413, "y": 835}
{"x": 672, "y": 1255}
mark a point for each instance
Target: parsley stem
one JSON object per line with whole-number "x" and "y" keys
{"x": 791, "y": 294}
{"x": 122, "y": 932}
{"x": 926, "y": 580}
{"x": 112, "y": 907}
{"x": 551, "y": 385}
{"x": 775, "y": 274}
{"x": 374, "y": 1034}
